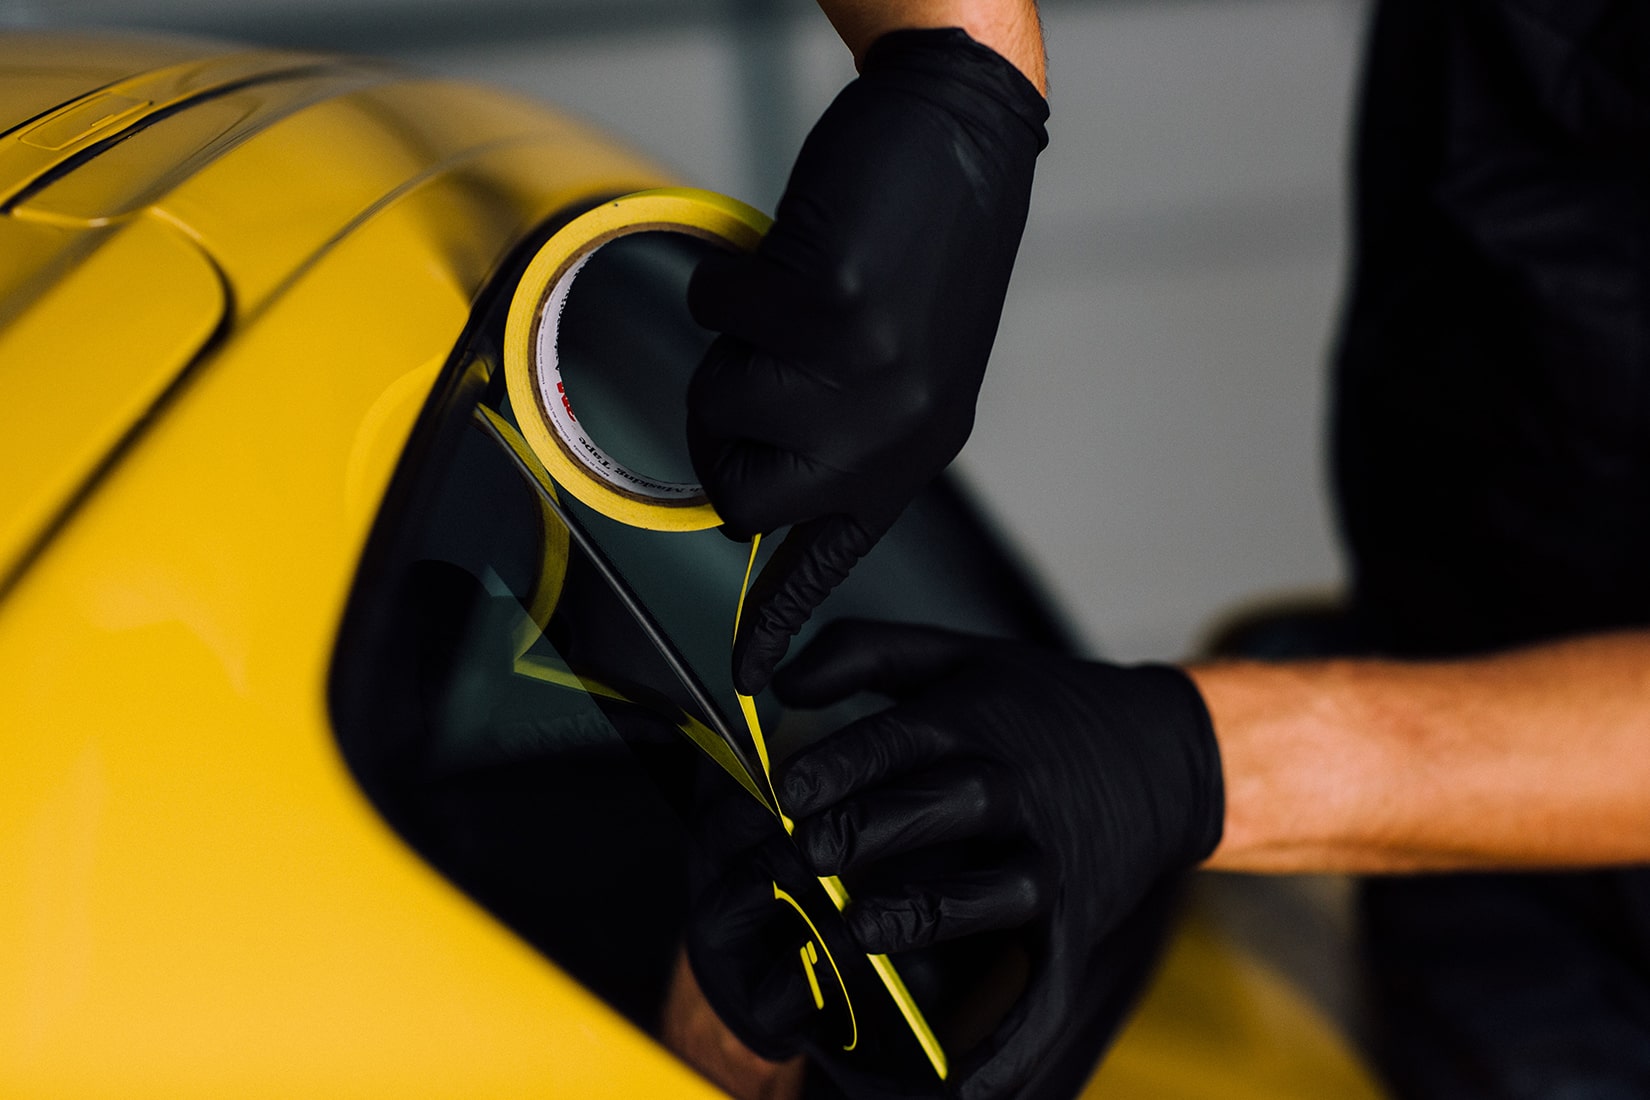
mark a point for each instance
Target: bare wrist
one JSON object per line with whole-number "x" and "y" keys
{"x": 1305, "y": 778}
{"x": 1010, "y": 28}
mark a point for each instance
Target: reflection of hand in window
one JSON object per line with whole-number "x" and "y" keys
{"x": 692, "y": 1030}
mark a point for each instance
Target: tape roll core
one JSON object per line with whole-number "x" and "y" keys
{"x": 532, "y": 365}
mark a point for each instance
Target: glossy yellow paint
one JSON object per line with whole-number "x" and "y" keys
{"x": 41, "y": 72}
{"x": 1217, "y": 1024}
{"x": 189, "y": 70}
{"x": 167, "y": 153}
{"x": 87, "y": 358}
{"x": 199, "y": 900}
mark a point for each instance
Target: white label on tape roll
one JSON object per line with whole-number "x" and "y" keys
{"x": 558, "y": 404}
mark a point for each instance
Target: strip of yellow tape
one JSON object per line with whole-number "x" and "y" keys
{"x": 834, "y": 888}
{"x": 545, "y": 412}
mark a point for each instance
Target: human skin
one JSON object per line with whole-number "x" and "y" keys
{"x": 1010, "y": 27}
{"x": 691, "y": 1028}
{"x": 1531, "y": 758}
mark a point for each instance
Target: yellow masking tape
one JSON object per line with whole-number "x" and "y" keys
{"x": 552, "y": 431}
{"x": 548, "y": 671}
{"x": 834, "y": 888}
{"x": 808, "y": 966}
{"x": 532, "y": 364}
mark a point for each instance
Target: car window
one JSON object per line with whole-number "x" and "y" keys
{"x": 537, "y": 697}
{"x": 495, "y": 691}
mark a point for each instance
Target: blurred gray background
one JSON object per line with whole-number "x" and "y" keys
{"x": 1151, "y": 431}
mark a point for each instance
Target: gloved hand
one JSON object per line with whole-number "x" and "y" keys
{"x": 741, "y": 945}
{"x": 854, "y": 339}
{"x": 1108, "y": 778}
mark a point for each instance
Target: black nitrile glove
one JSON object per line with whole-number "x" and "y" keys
{"x": 741, "y": 945}
{"x": 1106, "y": 778}
{"x": 855, "y": 337}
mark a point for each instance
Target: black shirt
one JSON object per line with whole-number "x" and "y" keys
{"x": 1492, "y": 417}
{"x": 1492, "y": 463}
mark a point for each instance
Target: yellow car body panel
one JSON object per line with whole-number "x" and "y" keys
{"x": 38, "y": 144}
{"x": 1218, "y": 1024}
{"x": 231, "y": 280}
{"x": 199, "y": 900}
{"x": 44, "y": 74}
{"x": 89, "y": 356}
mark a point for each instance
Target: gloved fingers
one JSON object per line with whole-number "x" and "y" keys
{"x": 754, "y": 981}
{"x": 761, "y": 304}
{"x": 784, "y": 994}
{"x": 758, "y": 488}
{"x": 854, "y": 655}
{"x": 731, "y": 827}
{"x": 864, "y": 753}
{"x": 743, "y": 392}
{"x": 918, "y": 810}
{"x": 735, "y": 911}
{"x": 949, "y": 908}
{"x": 812, "y": 560}
{"x": 1008, "y": 1058}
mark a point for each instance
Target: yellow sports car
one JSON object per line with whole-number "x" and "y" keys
{"x": 314, "y": 692}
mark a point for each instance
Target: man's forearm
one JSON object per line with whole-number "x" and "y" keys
{"x": 1008, "y": 26}
{"x": 1538, "y": 757}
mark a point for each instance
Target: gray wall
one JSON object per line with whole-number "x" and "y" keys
{"x": 1150, "y": 432}
{"x": 1152, "y": 427}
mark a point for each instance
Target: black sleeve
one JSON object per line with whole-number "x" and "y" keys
{"x": 1585, "y": 63}
{"x": 1492, "y": 395}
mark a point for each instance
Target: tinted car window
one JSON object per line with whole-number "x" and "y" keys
{"x": 537, "y": 697}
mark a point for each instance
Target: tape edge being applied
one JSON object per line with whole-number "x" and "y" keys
{"x": 834, "y": 888}
{"x": 545, "y": 284}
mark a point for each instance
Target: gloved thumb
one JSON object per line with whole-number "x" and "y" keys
{"x": 813, "y": 560}
{"x": 742, "y": 946}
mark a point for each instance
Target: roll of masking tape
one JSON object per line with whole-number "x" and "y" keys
{"x": 532, "y": 361}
